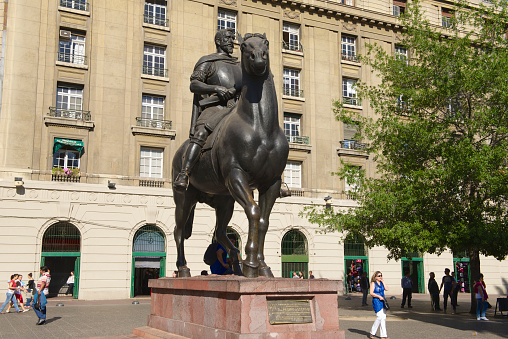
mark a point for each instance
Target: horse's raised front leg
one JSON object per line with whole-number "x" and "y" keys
{"x": 184, "y": 215}
{"x": 238, "y": 185}
{"x": 266, "y": 201}
{"x": 224, "y": 206}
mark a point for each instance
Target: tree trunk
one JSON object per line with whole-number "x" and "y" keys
{"x": 474, "y": 270}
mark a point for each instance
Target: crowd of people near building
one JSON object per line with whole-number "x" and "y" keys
{"x": 24, "y": 296}
{"x": 19, "y": 294}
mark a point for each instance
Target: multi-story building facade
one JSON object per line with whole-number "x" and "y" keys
{"x": 95, "y": 100}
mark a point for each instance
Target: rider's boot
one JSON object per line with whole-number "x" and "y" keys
{"x": 189, "y": 160}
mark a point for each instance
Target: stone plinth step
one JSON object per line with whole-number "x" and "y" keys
{"x": 148, "y": 332}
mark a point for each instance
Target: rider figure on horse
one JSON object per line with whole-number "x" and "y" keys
{"x": 216, "y": 83}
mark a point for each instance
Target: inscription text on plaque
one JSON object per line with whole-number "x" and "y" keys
{"x": 289, "y": 312}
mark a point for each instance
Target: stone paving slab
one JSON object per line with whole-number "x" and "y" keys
{"x": 116, "y": 319}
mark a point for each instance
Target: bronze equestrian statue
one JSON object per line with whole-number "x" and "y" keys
{"x": 247, "y": 150}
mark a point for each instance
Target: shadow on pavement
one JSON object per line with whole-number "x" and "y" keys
{"x": 460, "y": 321}
{"x": 52, "y": 319}
{"x": 359, "y": 332}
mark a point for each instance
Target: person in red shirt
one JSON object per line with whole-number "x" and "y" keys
{"x": 10, "y": 294}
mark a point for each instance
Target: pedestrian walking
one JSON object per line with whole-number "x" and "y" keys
{"x": 70, "y": 283}
{"x": 377, "y": 291}
{"x": 449, "y": 284}
{"x": 39, "y": 303}
{"x": 434, "y": 292}
{"x": 407, "y": 289}
{"x": 481, "y": 298}
{"x": 18, "y": 293}
{"x": 10, "y": 295}
{"x": 364, "y": 285}
{"x": 30, "y": 290}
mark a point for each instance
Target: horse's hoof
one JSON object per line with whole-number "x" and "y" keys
{"x": 184, "y": 272}
{"x": 237, "y": 270}
{"x": 265, "y": 271}
{"x": 250, "y": 270}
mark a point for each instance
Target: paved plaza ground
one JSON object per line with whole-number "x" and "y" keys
{"x": 86, "y": 319}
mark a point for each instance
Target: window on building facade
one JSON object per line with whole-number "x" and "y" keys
{"x": 293, "y": 174}
{"x": 291, "y": 83}
{"x": 399, "y": 7}
{"x": 400, "y": 53}
{"x": 446, "y": 17}
{"x": 292, "y": 127}
{"x": 154, "y": 58}
{"x": 71, "y": 48}
{"x": 152, "y": 107}
{"x": 150, "y": 162}
{"x": 348, "y": 2}
{"x": 69, "y": 101}
{"x": 352, "y": 184}
{"x": 226, "y": 19}
{"x": 80, "y": 5}
{"x": 155, "y": 12}
{"x": 66, "y": 158}
{"x": 348, "y": 45}
{"x": 349, "y": 92}
{"x": 291, "y": 37}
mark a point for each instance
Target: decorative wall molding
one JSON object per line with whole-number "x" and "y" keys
{"x": 349, "y": 27}
{"x": 291, "y": 14}
{"x": 228, "y": 2}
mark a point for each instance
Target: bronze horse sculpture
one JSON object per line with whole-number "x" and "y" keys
{"x": 249, "y": 152}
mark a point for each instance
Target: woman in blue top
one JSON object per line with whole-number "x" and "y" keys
{"x": 377, "y": 291}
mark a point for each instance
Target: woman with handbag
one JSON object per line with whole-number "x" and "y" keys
{"x": 39, "y": 303}
{"x": 377, "y": 291}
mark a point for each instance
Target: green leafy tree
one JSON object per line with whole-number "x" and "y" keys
{"x": 439, "y": 138}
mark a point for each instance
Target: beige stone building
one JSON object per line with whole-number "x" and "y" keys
{"x": 95, "y": 100}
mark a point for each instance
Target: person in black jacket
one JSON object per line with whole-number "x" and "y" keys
{"x": 434, "y": 292}
{"x": 364, "y": 284}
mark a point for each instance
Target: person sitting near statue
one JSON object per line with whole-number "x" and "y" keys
{"x": 221, "y": 266}
{"x": 216, "y": 83}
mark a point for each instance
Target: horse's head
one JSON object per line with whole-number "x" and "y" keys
{"x": 255, "y": 60}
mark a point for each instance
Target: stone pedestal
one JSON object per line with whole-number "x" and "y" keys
{"x": 230, "y": 307}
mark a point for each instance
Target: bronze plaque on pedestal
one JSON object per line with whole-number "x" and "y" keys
{"x": 289, "y": 312}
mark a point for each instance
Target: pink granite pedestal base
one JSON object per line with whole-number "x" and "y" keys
{"x": 231, "y": 307}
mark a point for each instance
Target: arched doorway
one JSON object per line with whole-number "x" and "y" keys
{"x": 295, "y": 254}
{"x": 356, "y": 261}
{"x": 61, "y": 252}
{"x": 148, "y": 258}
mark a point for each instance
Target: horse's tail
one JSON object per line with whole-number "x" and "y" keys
{"x": 188, "y": 224}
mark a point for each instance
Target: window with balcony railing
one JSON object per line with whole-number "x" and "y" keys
{"x": 226, "y": 19}
{"x": 155, "y": 13}
{"x": 292, "y": 129}
{"x": 348, "y": 48}
{"x": 291, "y": 37}
{"x": 352, "y": 144}
{"x": 293, "y": 174}
{"x": 71, "y": 48}
{"x": 291, "y": 83}
{"x": 154, "y": 61}
{"x": 69, "y": 103}
{"x": 80, "y": 5}
{"x": 349, "y": 96}
{"x": 150, "y": 163}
